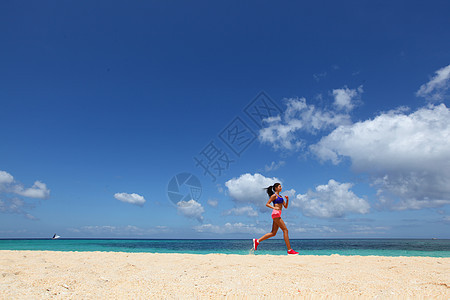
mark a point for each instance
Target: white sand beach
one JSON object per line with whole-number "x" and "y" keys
{"x": 99, "y": 275}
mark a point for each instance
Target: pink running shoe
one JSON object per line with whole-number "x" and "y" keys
{"x": 292, "y": 252}
{"x": 255, "y": 244}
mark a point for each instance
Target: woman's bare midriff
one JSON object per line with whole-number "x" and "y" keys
{"x": 278, "y": 206}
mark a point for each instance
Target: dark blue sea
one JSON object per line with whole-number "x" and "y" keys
{"x": 364, "y": 247}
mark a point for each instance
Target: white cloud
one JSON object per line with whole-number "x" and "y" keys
{"x": 5, "y": 177}
{"x": 313, "y": 228}
{"x": 9, "y": 185}
{"x": 14, "y": 204}
{"x": 290, "y": 193}
{"x": 238, "y": 211}
{"x": 322, "y": 75}
{"x": 319, "y": 76}
{"x": 279, "y": 135}
{"x": 331, "y": 200}
{"x": 12, "y": 233}
{"x": 213, "y": 202}
{"x": 282, "y": 133}
{"x": 274, "y": 166}
{"x": 38, "y": 190}
{"x": 407, "y": 156}
{"x": 219, "y": 188}
{"x": 364, "y": 229}
{"x": 230, "y": 228}
{"x": 345, "y": 98}
{"x": 191, "y": 209}
{"x": 130, "y": 198}
{"x": 111, "y": 230}
{"x": 436, "y": 88}
{"x": 249, "y": 188}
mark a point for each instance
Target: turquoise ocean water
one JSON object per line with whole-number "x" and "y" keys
{"x": 381, "y": 247}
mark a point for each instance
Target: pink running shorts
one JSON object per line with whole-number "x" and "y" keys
{"x": 276, "y": 213}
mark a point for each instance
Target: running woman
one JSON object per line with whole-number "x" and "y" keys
{"x": 274, "y": 196}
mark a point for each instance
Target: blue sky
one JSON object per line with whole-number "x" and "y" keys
{"x": 103, "y": 104}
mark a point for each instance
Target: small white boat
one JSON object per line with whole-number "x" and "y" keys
{"x": 55, "y": 236}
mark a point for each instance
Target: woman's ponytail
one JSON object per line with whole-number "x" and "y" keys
{"x": 271, "y": 189}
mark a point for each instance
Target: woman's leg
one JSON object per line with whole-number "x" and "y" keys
{"x": 270, "y": 234}
{"x": 283, "y": 227}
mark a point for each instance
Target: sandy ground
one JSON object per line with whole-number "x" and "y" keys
{"x": 99, "y": 275}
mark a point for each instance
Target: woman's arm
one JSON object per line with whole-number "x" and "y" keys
{"x": 286, "y": 203}
{"x": 270, "y": 200}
